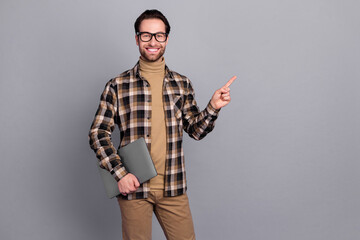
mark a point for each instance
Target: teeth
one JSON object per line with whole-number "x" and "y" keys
{"x": 152, "y": 49}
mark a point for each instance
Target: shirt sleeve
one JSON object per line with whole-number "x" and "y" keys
{"x": 197, "y": 123}
{"x": 100, "y": 133}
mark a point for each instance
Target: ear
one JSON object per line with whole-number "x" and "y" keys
{"x": 137, "y": 40}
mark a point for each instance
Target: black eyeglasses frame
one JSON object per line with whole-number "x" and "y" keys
{"x": 152, "y": 35}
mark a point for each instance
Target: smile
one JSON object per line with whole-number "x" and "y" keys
{"x": 153, "y": 50}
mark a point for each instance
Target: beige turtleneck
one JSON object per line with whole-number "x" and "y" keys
{"x": 154, "y": 73}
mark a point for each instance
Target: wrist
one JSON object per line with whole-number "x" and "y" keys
{"x": 211, "y": 109}
{"x": 213, "y": 105}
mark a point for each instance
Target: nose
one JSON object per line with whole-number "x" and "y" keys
{"x": 153, "y": 41}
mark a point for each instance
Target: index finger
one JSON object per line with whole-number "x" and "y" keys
{"x": 230, "y": 81}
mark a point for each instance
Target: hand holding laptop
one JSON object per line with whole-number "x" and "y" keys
{"x": 137, "y": 161}
{"x": 128, "y": 184}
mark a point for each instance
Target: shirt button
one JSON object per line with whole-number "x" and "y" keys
{"x": 148, "y": 117}
{"x": 148, "y": 135}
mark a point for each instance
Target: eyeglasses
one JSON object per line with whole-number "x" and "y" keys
{"x": 146, "y": 36}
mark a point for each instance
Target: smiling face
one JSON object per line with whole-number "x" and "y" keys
{"x": 152, "y": 50}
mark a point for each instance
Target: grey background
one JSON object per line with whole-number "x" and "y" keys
{"x": 282, "y": 162}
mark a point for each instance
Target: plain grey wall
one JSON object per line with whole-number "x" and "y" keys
{"x": 282, "y": 162}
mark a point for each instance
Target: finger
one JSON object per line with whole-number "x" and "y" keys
{"x": 230, "y": 81}
{"x": 225, "y": 89}
{"x": 227, "y": 98}
{"x": 136, "y": 183}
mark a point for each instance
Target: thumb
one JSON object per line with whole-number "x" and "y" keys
{"x": 136, "y": 182}
{"x": 224, "y": 89}
{"x": 219, "y": 91}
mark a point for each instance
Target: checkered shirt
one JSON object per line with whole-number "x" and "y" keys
{"x": 126, "y": 102}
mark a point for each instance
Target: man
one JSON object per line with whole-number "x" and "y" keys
{"x": 155, "y": 103}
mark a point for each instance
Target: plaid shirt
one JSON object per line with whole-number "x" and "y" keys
{"x": 126, "y": 102}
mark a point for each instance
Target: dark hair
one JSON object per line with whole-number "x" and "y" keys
{"x": 149, "y": 14}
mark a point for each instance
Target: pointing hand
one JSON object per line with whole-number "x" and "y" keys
{"x": 221, "y": 96}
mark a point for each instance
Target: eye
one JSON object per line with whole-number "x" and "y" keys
{"x": 160, "y": 36}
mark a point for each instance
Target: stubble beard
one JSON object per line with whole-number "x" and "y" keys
{"x": 149, "y": 57}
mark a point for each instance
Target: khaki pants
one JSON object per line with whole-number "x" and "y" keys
{"x": 173, "y": 214}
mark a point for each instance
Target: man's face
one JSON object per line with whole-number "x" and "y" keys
{"x": 152, "y": 50}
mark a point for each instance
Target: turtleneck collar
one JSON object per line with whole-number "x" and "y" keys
{"x": 152, "y": 67}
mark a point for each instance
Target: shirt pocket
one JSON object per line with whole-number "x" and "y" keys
{"x": 178, "y": 104}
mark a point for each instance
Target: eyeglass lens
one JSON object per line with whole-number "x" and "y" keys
{"x": 146, "y": 37}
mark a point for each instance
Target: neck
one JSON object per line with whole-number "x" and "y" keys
{"x": 152, "y": 67}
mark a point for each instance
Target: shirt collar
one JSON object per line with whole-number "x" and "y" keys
{"x": 169, "y": 76}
